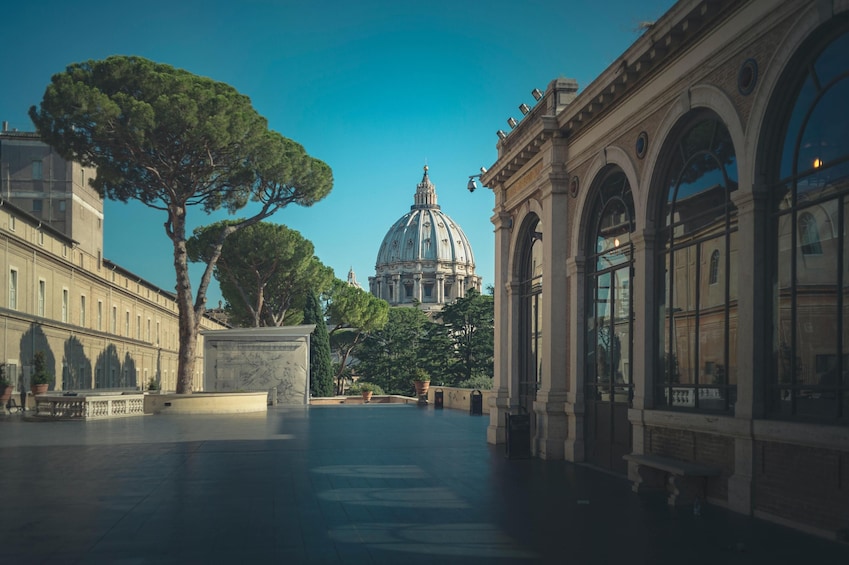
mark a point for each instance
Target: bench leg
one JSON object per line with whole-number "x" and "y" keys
{"x": 684, "y": 490}
{"x": 645, "y": 478}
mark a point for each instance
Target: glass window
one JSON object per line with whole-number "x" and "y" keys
{"x": 714, "y": 267}
{"x": 65, "y": 305}
{"x": 810, "y": 202}
{"x": 809, "y": 235}
{"x": 37, "y": 170}
{"x": 13, "y": 289}
{"x": 42, "y": 296}
{"x": 99, "y": 315}
{"x": 82, "y": 311}
{"x": 609, "y": 311}
{"x": 698, "y": 248}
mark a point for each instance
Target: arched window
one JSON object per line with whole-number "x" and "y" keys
{"x": 530, "y": 315}
{"x": 697, "y": 356}
{"x": 608, "y": 385}
{"x": 810, "y": 204}
{"x": 714, "y": 267}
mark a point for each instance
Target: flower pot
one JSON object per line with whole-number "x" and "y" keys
{"x": 5, "y": 394}
{"x": 39, "y": 389}
{"x": 367, "y": 395}
{"x": 421, "y": 387}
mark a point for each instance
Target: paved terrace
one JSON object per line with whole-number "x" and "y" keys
{"x": 342, "y": 484}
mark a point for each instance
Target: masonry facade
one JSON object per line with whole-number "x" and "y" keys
{"x": 100, "y": 325}
{"x": 673, "y": 259}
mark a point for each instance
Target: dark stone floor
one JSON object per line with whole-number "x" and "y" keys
{"x": 343, "y": 484}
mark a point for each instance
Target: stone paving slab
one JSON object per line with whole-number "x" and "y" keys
{"x": 379, "y": 484}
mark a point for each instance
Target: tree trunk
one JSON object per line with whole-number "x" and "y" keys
{"x": 188, "y": 318}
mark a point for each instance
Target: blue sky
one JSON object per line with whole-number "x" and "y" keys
{"x": 374, "y": 88}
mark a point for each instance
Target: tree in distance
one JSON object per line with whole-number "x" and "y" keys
{"x": 265, "y": 271}
{"x": 353, "y": 313}
{"x": 173, "y": 140}
{"x": 321, "y": 367}
{"x": 470, "y": 322}
{"x": 389, "y": 355}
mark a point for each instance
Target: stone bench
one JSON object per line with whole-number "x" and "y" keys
{"x": 683, "y": 480}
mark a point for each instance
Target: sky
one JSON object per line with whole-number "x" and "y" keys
{"x": 375, "y": 88}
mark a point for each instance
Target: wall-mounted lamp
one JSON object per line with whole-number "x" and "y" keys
{"x": 501, "y": 135}
{"x": 472, "y": 186}
{"x": 537, "y": 94}
{"x": 511, "y": 121}
{"x": 524, "y": 108}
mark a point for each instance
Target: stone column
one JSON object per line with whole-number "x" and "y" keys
{"x": 440, "y": 289}
{"x": 752, "y": 300}
{"x": 645, "y": 359}
{"x": 550, "y": 405}
{"x": 396, "y": 290}
{"x": 575, "y": 403}
{"x": 505, "y": 370}
{"x": 417, "y": 287}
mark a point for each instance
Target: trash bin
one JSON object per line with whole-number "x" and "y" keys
{"x": 518, "y": 436}
{"x": 476, "y": 403}
{"x": 438, "y": 398}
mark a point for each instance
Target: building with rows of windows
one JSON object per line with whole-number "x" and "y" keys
{"x": 99, "y": 325}
{"x": 672, "y": 259}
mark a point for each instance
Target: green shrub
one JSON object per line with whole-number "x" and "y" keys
{"x": 480, "y": 382}
{"x": 359, "y": 387}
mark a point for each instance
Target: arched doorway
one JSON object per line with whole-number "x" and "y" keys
{"x": 530, "y": 315}
{"x": 608, "y": 385}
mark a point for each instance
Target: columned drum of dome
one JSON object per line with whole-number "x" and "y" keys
{"x": 425, "y": 257}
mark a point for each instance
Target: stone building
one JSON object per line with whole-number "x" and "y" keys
{"x": 672, "y": 259}
{"x": 425, "y": 257}
{"x": 100, "y": 325}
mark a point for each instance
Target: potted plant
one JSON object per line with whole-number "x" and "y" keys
{"x": 367, "y": 390}
{"x": 5, "y": 386}
{"x": 421, "y": 380}
{"x": 41, "y": 378}
{"x": 152, "y": 385}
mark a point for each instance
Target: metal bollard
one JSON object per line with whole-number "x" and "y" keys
{"x": 476, "y": 403}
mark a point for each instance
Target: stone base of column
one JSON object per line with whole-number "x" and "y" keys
{"x": 496, "y": 432}
{"x": 552, "y": 426}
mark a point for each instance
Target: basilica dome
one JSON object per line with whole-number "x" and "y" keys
{"x": 425, "y": 257}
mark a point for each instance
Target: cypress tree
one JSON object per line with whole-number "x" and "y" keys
{"x": 321, "y": 369}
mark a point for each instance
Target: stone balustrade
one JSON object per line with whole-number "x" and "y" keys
{"x": 90, "y": 406}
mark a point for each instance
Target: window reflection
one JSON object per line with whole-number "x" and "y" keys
{"x": 698, "y": 306}
{"x": 809, "y": 305}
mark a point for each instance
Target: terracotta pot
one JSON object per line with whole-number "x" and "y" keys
{"x": 421, "y": 387}
{"x": 39, "y": 389}
{"x": 367, "y": 395}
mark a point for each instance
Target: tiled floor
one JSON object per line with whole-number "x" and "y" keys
{"x": 343, "y": 484}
